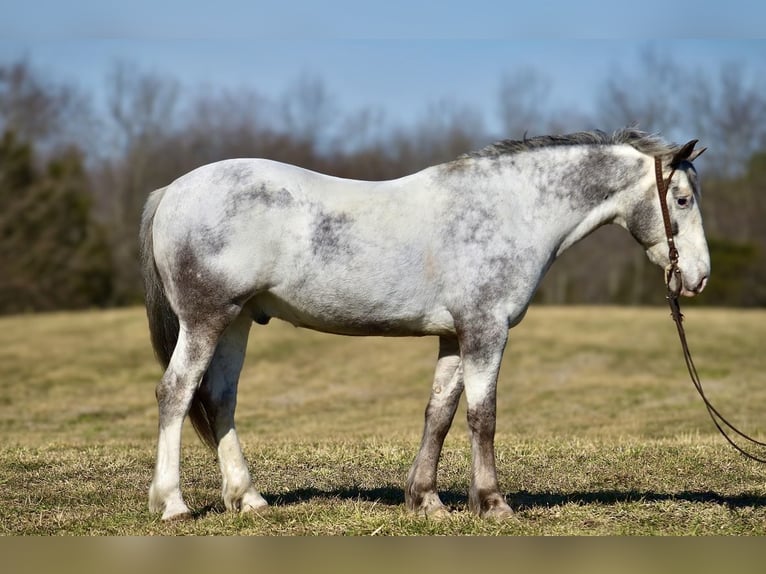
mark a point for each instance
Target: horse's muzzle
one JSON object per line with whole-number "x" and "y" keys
{"x": 684, "y": 290}
{"x": 697, "y": 290}
{"x": 677, "y": 286}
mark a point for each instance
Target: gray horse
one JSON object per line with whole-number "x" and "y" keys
{"x": 456, "y": 250}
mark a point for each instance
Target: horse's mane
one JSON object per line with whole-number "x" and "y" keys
{"x": 650, "y": 144}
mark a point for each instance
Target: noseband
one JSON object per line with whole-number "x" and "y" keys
{"x": 723, "y": 425}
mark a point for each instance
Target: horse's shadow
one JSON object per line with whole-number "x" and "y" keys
{"x": 519, "y": 501}
{"x": 522, "y": 500}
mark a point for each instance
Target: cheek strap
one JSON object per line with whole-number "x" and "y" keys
{"x": 662, "y": 190}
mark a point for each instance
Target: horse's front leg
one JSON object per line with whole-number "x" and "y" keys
{"x": 420, "y": 493}
{"x": 482, "y": 350}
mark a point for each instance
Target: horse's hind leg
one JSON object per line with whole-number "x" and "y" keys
{"x": 219, "y": 395}
{"x": 193, "y": 351}
{"x": 420, "y": 492}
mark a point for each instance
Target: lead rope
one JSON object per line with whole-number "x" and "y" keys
{"x": 721, "y": 423}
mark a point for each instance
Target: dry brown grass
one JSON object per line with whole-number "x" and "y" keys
{"x": 599, "y": 429}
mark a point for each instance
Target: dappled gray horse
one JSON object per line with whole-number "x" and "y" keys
{"x": 456, "y": 250}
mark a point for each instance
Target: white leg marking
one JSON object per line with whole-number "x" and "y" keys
{"x": 165, "y": 491}
{"x": 238, "y": 491}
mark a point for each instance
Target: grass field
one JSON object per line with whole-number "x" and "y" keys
{"x": 599, "y": 429}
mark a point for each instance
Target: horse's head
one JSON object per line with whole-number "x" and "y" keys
{"x": 647, "y": 225}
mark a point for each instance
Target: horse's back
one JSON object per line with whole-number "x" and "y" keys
{"x": 327, "y": 253}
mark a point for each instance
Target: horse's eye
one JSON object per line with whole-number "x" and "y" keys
{"x": 682, "y": 201}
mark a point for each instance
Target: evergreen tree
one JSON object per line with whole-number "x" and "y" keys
{"x": 52, "y": 254}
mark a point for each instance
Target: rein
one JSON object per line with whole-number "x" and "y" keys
{"x": 726, "y": 428}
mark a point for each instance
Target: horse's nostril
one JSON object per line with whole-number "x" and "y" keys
{"x": 701, "y": 285}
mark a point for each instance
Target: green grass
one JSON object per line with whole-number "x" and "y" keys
{"x": 599, "y": 429}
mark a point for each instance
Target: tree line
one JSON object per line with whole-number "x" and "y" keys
{"x": 74, "y": 175}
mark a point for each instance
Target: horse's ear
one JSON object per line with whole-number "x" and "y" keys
{"x": 696, "y": 153}
{"x": 685, "y": 153}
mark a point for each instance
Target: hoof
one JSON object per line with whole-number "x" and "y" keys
{"x": 176, "y": 516}
{"x": 176, "y": 511}
{"x": 499, "y": 512}
{"x": 250, "y": 503}
{"x": 437, "y": 513}
{"x": 171, "y": 507}
{"x": 254, "y": 508}
{"x": 492, "y": 506}
{"x": 431, "y": 507}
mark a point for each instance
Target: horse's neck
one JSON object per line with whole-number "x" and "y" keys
{"x": 596, "y": 217}
{"x": 582, "y": 189}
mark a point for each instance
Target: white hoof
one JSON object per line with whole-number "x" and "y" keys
{"x": 172, "y": 506}
{"x": 253, "y": 502}
{"x": 173, "y": 514}
{"x": 250, "y": 501}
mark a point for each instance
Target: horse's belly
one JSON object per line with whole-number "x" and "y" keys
{"x": 330, "y": 317}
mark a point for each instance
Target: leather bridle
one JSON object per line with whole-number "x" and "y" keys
{"x": 721, "y": 423}
{"x": 662, "y": 189}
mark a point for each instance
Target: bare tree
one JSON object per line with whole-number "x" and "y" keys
{"x": 521, "y": 101}
{"x": 142, "y": 116}
{"x": 51, "y": 114}
{"x": 142, "y": 105}
{"x": 223, "y": 124}
{"x": 649, "y": 98}
{"x": 309, "y": 110}
{"x": 363, "y": 129}
{"x": 730, "y": 113}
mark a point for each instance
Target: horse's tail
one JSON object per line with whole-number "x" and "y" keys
{"x": 163, "y": 322}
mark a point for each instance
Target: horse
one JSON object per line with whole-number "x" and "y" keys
{"x": 455, "y": 251}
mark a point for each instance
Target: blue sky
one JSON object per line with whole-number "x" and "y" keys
{"x": 390, "y": 19}
{"x": 398, "y": 56}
